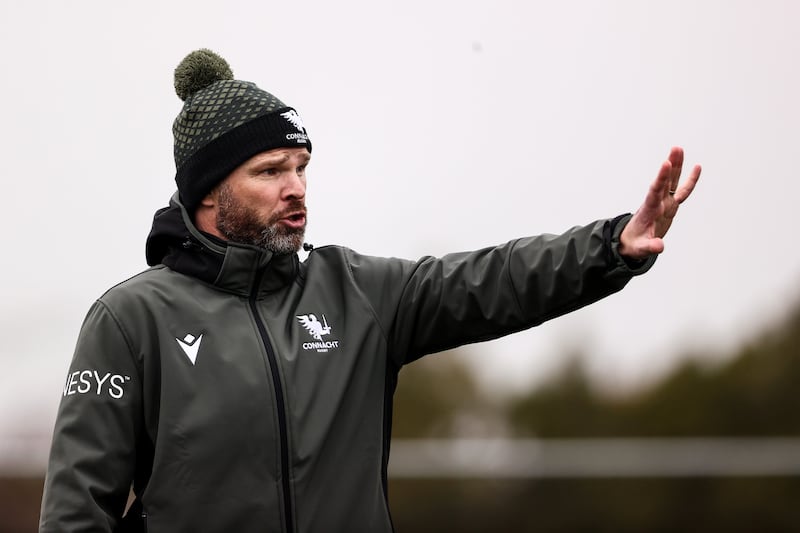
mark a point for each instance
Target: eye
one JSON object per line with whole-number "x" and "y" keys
{"x": 271, "y": 171}
{"x": 301, "y": 169}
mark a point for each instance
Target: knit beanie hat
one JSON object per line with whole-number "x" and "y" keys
{"x": 223, "y": 123}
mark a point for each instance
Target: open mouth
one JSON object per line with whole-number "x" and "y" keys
{"x": 295, "y": 220}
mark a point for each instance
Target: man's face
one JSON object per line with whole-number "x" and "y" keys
{"x": 262, "y": 202}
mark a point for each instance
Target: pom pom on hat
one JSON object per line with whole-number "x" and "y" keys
{"x": 198, "y": 70}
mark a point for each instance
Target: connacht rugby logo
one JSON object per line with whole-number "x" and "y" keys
{"x": 317, "y": 330}
{"x": 295, "y": 120}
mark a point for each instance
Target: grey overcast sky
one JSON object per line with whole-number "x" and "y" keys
{"x": 437, "y": 126}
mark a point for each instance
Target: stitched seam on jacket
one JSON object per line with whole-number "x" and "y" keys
{"x": 511, "y": 279}
{"x": 124, "y": 334}
{"x": 364, "y": 296}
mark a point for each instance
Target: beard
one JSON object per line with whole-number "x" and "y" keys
{"x": 242, "y": 224}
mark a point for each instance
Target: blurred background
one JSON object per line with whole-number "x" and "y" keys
{"x": 447, "y": 126}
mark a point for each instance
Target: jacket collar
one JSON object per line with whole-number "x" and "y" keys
{"x": 237, "y": 268}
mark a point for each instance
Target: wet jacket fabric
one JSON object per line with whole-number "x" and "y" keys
{"x": 243, "y": 391}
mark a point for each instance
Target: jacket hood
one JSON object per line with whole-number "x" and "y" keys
{"x": 174, "y": 241}
{"x": 167, "y": 231}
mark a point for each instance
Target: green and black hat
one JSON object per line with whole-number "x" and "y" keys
{"x": 223, "y": 123}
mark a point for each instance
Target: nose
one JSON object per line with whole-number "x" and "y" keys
{"x": 295, "y": 187}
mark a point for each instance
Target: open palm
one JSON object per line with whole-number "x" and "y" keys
{"x": 644, "y": 233}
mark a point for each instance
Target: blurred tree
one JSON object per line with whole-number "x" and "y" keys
{"x": 566, "y": 406}
{"x": 751, "y": 393}
{"x": 437, "y": 396}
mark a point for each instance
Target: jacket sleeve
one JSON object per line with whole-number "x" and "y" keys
{"x": 92, "y": 456}
{"x": 440, "y": 303}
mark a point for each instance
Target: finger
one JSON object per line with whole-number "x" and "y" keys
{"x": 688, "y": 186}
{"x": 655, "y": 245}
{"x": 660, "y": 186}
{"x": 676, "y": 158}
{"x": 652, "y": 246}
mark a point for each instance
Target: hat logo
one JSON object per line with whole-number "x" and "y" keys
{"x": 295, "y": 120}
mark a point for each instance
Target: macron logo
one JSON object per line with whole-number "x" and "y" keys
{"x": 190, "y": 345}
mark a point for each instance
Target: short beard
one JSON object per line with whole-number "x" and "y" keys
{"x": 241, "y": 224}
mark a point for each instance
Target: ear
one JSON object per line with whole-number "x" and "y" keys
{"x": 205, "y": 213}
{"x": 210, "y": 199}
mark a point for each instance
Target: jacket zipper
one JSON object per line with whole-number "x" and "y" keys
{"x": 281, "y": 406}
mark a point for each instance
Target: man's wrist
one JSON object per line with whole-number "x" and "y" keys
{"x": 622, "y": 254}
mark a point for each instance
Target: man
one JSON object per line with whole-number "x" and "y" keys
{"x": 238, "y": 389}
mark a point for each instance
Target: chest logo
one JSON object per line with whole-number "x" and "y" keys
{"x": 314, "y": 327}
{"x": 317, "y": 330}
{"x": 190, "y": 346}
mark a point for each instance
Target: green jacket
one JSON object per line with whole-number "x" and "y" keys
{"x": 243, "y": 391}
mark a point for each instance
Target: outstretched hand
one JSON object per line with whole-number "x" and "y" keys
{"x": 643, "y": 235}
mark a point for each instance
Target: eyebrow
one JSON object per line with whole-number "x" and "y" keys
{"x": 280, "y": 159}
{"x": 272, "y": 160}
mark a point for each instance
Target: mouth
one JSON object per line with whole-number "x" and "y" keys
{"x": 295, "y": 220}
